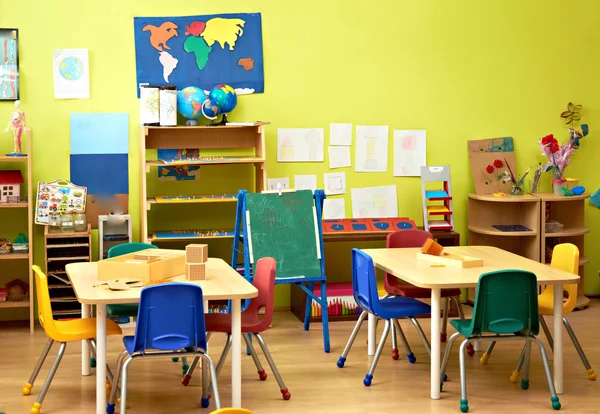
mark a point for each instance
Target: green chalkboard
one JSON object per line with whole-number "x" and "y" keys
{"x": 284, "y": 227}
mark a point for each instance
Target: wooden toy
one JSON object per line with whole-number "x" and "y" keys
{"x": 195, "y": 271}
{"x": 443, "y": 210}
{"x": 433, "y": 252}
{"x": 149, "y": 265}
{"x": 196, "y": 253}
{"x": 10, "y": 186}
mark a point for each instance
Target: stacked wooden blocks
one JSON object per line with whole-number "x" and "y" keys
{"x": 195, "y": 261}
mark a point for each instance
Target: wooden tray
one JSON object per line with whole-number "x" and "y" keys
{"x": 149, "y": 265}
{"x": 451, "y": 260}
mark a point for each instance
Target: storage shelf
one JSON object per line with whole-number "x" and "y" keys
{"x": 583, "y": 261}
{"x": 577, "y": 231}
{"x": 14, "y": 256}
{"x": 15, "y": 304}
{"x": 20, "y": 204}
{"x": 224, "y": 161}
{"x": 62, "y": 259}
{"x": 180, "y": 127}
{"x": 495, "y": 232}
{"x": 58, "y": 246}
{"x": 205, "y": 199}
{"x": 526, "y": 198}
{"x": 5, "y": 158}
{"x": 175, "y": 239}
{"x": 554, "y": 197}
{"x": 57, "y": 234}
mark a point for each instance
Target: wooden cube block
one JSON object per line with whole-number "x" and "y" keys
{"x": 195, "y": 271}
{"x": 196, "y": 253}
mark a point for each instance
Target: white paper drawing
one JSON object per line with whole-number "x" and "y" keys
{"x": 409, "y": 152}
{"x": 300, "y": 145}
{"x": 371, "y": 148}
{"x": 272, "y": 183}
{"x": 334, "y": 208}
{"x": 335, "y": 183}
{"x": 340, "y": 134}
{"x": 339, "y": 157}
{"x": 374, "y": 202}
{"x": 305, "y": 182}
{"x": 71, "y": 74}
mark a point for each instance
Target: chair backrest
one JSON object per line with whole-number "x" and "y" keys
{"x": 402, "y": 239}
{"x": 126, "y": 248}
{"x": 264, "y": 282}
{"x": 170, "y": 317}
{"x": 506, "y": 303}
{"x": 565, "y": 256}
{"x": 363, "y": 281}
{"x": 43, "y": 302}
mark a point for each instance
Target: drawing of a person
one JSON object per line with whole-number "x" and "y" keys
{"x": 371, "y": 162}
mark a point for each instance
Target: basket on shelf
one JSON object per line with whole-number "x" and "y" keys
{"x": 5, "y": 246}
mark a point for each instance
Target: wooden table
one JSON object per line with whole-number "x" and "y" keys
{"x": 445, "y": 238}
{"x": 222, "y": 283}
{"x": 403, "y": 264}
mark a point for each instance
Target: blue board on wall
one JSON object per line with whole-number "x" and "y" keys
{"x": 104, "y": 174}
{"x": 203, "y": 51}
{"x": 99, "y": 133}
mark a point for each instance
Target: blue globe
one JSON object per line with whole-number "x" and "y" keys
{"x": 71, "y": 68}
{"x": 189, "y": 102}
{"x": 210, "y": 109}
{"x": 225, "y": 97}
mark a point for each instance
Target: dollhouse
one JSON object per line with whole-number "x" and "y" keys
{"x": 10, "y": 186}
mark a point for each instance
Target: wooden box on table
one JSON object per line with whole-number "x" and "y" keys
{"x": 149, "y": 265}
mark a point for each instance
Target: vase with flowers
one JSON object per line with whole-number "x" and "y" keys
{"x": 559, "y": 156}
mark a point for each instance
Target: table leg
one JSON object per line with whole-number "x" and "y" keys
{"x": 435, "y": 343}
{"x": 236, "y": 353}
{"x": 100, "y": 359}
{"x": 558, "y": 342}
{"x": 85, "y": 349}
{"x": 371, "y": 340}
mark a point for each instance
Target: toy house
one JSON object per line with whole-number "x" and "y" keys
{"x": 10, "y": 186}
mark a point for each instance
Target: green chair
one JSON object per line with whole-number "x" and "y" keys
{"x": 506, "y": 308}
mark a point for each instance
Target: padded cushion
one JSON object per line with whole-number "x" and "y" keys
{"x": 400, "y": 307}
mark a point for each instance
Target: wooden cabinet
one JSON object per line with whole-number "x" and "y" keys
{"x": 61, "y": 249}
{"x": 200, "y": 205}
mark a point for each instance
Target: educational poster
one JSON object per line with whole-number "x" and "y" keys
{"x": 9, "y": 69}
{"x": 179, "y": 173}
{"x": 59, "y": 196}
{"x": 178, "y": 154}
{"x": 334, "y": 208}
{"x": 409, "y": 153}
{"x": 488, "y": 159}
{"x": 371, "y": 148}
{"x": 339, "y": 157}
{"x": 71, "y": 74}
{"x": 335, "y": 183}
{"x": 340, "y": 134}
{"x": 305, "y": 182}
{"x": 272, "y": 183}
{"x": 300, "y": 145}
{"x": 374, "y": 202}
{"x": 202, "y": 51}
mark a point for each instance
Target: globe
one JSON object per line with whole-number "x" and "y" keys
{"x": 71, "y": 68}
{"x": 225, "y": 97}
{"x": 189, "y": 103}
{"x": 210, "y": 109}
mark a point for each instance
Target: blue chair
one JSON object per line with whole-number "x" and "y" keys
{"x": 505, "y": 309}
{"x": 170, "y": 322}
{"x": 389, "y": 309}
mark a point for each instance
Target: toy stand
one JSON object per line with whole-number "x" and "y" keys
{"x": 430, "y": 175}
{"x": 304, "y": 280}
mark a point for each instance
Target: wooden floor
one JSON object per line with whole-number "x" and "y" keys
{"x": 316, "y": 384}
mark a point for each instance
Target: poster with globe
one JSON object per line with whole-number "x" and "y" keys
{"x": 71, "y": 74}
{"x": 200, "y": 51}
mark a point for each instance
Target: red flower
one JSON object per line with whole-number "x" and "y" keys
{"x": 498, "y": 164}
{"x": 489, "y": 169}
{"x": 548, "y": 139}
{"x": 554, "y": 147}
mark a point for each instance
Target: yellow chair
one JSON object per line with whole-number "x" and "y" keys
{"x": 565, "y": 256}
{"x": 232, "y": 411}
{"x": 59, "y": 331}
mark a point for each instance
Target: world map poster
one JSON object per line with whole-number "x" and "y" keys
{"x": 202, "y": 51}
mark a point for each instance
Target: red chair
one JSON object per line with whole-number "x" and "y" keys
{"x": 255, "y": 319}
{"x": 395, "y": 287}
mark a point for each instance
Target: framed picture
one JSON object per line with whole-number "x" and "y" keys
{"x": 9, "y": 65}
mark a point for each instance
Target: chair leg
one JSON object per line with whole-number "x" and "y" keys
{"x": 588, "y": 368}
{"x": 188, "y": 375}
{"x": 443, "y": 335}
{"x": 124, "y": 385}
{"x": 206, "y": 392}
{"x": 456, "y": 300}
{"x": 205, "y": 399}
{"x": 38, "y": 404}
{"x": 213, "y": 379}
{"x": 527, "y": 360}
{"x": 547, "y": 332}
{"x": 395, "y": 354}
{"x": 109, "y": 374}
{"x": 464, "y": 402}
{"x": 447, "y": 352}
{"x": 514, "y": 377}
{"x": 110, "y": 406}
{"x": 184, "y": 365}
{"x": 409, "y": 352}
{"x": 27, "y": 388}
{"x": 262, "y": 375}
{"x": 386, "y": 330}
{"x": 554, "y": 397}
{"x": 284, "y": 391}
{"x": 342, "y": 359}
{"x": 421, "y": 334}
{"x": 486, "y": 355}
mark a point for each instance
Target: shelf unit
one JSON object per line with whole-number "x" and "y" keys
{"x": 60, "y": 250}
{"x": 112, "y": 231}
{"x": 27, "y": 206}
{"x": 437, "y": 216}
{"x": 569, "y": 211}
{"x": 229, "y": 145}
{"x": 484, "y": 211}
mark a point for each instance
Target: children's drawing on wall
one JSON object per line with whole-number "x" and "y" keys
{"x": 305, "y": 182}
{"x": 339, "y": 157}
{"x": 375, "y": 202}
{"x": 273, "y": 183}
{"x": 300, "y": 145}
{"x": 178, "y": 154}
{"x": 71, "y": 74}
{"x": 340, "y": 134}
{"x": 409, "y": 152}
{"x": 335, "y": 183}
{"x": 202, "y": 51}
{"x": 334, "y": 208}
{"x": 371, "y": 148}
{"x": 178, "y": 173}
{"x": 9, "y": 65}
{"x": 488, "y": 158}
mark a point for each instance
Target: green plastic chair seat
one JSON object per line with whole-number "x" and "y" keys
{"x": 126, "y": 309}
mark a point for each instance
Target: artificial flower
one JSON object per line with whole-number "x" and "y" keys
{"x": 498, "y": 164}
{"x": 548, "y": 139}
{"x": 489, "y": 169}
